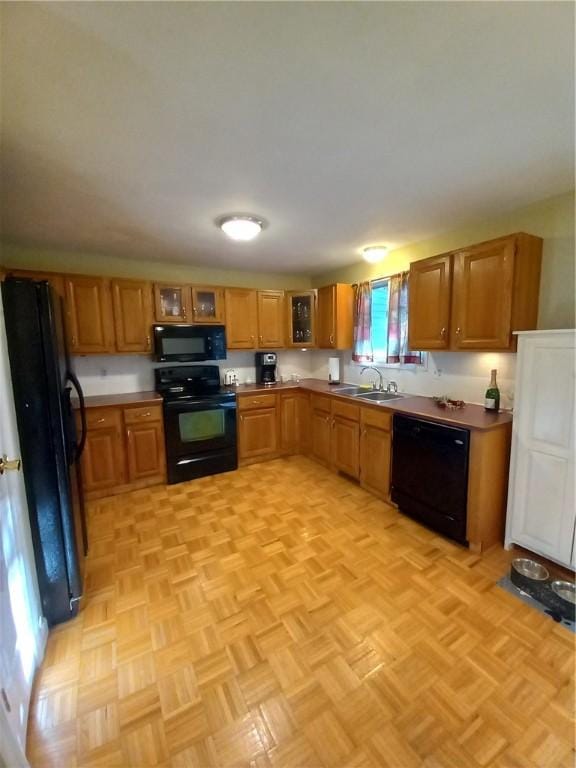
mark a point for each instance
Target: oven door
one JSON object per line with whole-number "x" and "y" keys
{"x": 194, "y": 428}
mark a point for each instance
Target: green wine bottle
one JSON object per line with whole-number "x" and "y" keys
{"x": 492, "y": 396}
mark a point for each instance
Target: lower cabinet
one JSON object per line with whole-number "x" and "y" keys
{"x": 294, "y": 421}
{"x": 145, "y": 443}
{"x": 321, "y": 440}
{"x": 124, "y": 450}
{"x": 257, "y": 426}
{"x": 375, "y": 451}
{"x": 345, "y": 438}
{"x": 103, "y": 464}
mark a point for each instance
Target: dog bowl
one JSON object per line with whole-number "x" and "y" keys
{"x": 530, "y": 569}
{"x": 566, "y": 590}
{"x": 528, "y": 575}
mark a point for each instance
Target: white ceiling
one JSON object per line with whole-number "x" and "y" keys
{"x": 129, "y": 127}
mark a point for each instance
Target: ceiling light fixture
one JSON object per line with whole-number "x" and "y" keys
{"x": 374, "y": 253}
{"x": 241, "y": 227}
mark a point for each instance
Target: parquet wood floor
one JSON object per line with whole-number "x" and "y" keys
{"x": 280, "y": 616}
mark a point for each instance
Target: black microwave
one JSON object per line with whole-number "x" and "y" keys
{"x": 189, "y": 343}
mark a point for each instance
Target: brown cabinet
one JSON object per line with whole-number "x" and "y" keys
{"x": 258, "y": 434}
{"x": 482, "y": 296}
{"x": 294, "y": 421}
{"x": 476, "y": 297}
{"x": 132, "y": 301}
{"x": 335, "y": 309}
{"x": 124, "y": 449}
{"x": 345, "y": 450}
{"x": 321, "y": 435}
{"x": 145, "y": 445}
{"x": 301, "y": 311}
{"x": 241, "y": 318}
{"x": 270, "y": 319}
{"x": 172, "y": 303}
{"x": 375, "y": 451}
{"x": 429, "y": 299}
{"x": 208, "y": 305}
{"x": 103, "y": 464}
{"x": 89, "y": 318}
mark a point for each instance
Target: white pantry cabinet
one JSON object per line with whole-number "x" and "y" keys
{"x": 541, "y": 516}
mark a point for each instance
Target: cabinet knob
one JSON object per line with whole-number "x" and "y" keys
{"x": 443, "y": 333}
{"x": 184, "y": 312}
{"x": 261, "y": 338}
{"x": 74, "y": 341}
{"x": 458, "y": 331}
{"x": 331, "y": 338}
{"x": 148, "y": 341}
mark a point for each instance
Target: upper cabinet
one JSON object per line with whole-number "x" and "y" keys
{"x": 270, "y": 319}
{"x": 132, "y": 301}
{"x": 208, "y": 305}
{"x": 429, "y": 303}
{"x": 172, "y": 303}
{"x": 88, "y": 306}
{"x": 301, "y": 318}
{"x": 483, "y": 287}
{"x": 335, "y": 311}
{"x": 475, "y": 298}
{"x": 241, "y": 318}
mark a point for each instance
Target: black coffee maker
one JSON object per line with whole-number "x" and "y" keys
{"x": 266, "y": 367}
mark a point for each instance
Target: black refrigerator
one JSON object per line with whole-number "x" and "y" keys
{"x": 50, "y": 446}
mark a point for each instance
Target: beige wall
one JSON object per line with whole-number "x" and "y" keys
{"x": 20, "y": 257}
{"x": 551, "y": 219}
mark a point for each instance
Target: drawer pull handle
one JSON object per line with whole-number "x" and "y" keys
{"x": 100, "y": 421}
{"x": 147, "y": 414}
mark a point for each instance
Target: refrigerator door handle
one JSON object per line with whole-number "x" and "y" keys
{"x": 74, "y": 379}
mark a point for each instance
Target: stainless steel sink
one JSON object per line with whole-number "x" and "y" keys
{"x": 380, "y": 397}
{"x": 351, "y": 390}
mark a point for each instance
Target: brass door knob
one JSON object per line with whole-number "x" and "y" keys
{"x": 9, "y": 464}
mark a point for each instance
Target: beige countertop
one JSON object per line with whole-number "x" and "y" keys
{"x": 469, "y": 417}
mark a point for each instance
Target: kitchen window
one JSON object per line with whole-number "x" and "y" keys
{"x": 387, "y": 350}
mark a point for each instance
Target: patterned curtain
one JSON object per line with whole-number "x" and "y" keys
{"x": 362, "y": 352}
{"x": 398, "y": 351}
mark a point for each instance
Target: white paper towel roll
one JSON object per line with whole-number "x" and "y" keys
{"x": 334, "y": 370}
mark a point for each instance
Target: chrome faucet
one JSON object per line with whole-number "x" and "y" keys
{"x": 373, "y": 368}
{"x": 392, "y": 387}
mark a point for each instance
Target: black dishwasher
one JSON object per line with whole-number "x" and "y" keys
{"x": 430, "y": 474}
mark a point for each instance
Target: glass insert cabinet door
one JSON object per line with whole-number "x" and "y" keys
{"x": 172, "y": 303}
{"x": 302, "y": 318}
{"x": 208, "y": 305}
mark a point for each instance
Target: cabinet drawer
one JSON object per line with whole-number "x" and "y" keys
{"x": 103, "y": 418}
{"x": 143, "y": 414}
{"x": 248, "y": 402}
{"x": 346, "y": 410}
{"x": 373, "y": 418}
{"x": 320, "y": 403}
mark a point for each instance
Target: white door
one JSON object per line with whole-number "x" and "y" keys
{"x": 542, "y": 488}
{"x": 22, "y": 627}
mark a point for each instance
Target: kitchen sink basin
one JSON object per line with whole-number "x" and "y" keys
{"x": 380, "y": 397}
{"x": 351, "y": 390}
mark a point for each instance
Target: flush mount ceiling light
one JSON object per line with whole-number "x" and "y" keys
{"x": 240, "y": 226}
{"x": 374, "y": 253}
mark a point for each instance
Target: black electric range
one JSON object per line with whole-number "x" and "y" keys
{"x": 199, "y": 422}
